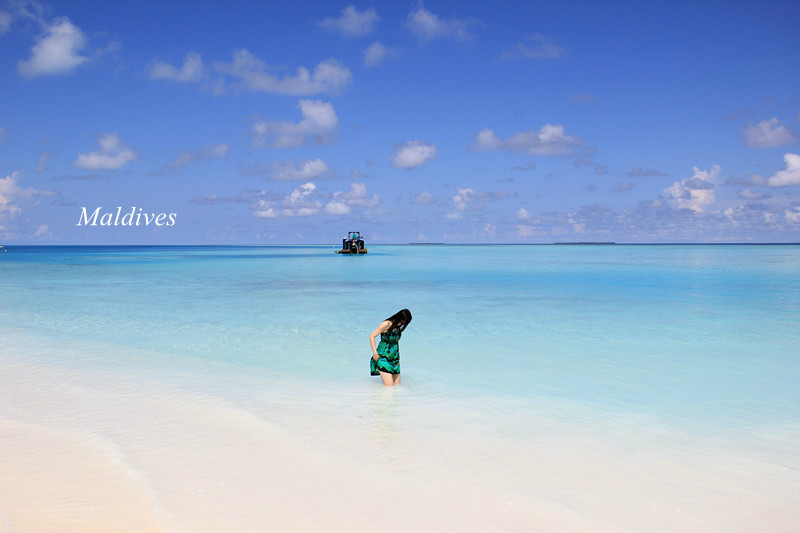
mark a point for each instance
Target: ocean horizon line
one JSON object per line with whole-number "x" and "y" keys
{"x": 297, "y": 245}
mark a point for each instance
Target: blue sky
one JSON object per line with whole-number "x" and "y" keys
{"x": 445, "y": 121}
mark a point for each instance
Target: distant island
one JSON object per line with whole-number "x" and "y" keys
{"x": 500, "y": 243}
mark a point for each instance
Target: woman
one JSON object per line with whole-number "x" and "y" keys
{"x": 386, "y": 357}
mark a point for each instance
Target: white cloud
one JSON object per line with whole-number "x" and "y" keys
{"x": 793, "y": 215}
{"x": 464, "y": 197}
{"x": 489, "y": 230}
{"x": 357, "y": 196}
{"x": 319, "y": 124}
{"x": 790, "y": 175}
{"x": 301, "y": 193}
{"x": 651, "y": 222}
{"x": 112, "y": 155}
{"x": 524, "y": 231}
{"x": 253, "y": 75}
{"x": 191, "y": 71}
{"x": 57, "y": 52}
{"x": 768, "y": 134}
{"x": 413, "y": 154}
{"x": 428, "y": 26}
{"x": 549, "y": 140}
{"x": 303, "y": 170}
{"x": 694, "y": 193}
{"x": 749, "y": 194}
{"x": 352, "y": 22}
{"x": 5, "y": 22}
{"x": 336, "y": 208}
{"x": 423, "y": 198}
{"x": 299, "y": 203}
{"x": 8, "y": 190}
{"x": 11, "y": 194}
{"x": 542, "y": 48}
{"x": 44, "y": 158}
{"x": 374, "y": 54}
{"x": 188, "y": 157}
{"x": 523, "y": 214}
{"x": 303, "y": 201}
{"x": 42, "y": 230}
{"x": 248, "y": 72}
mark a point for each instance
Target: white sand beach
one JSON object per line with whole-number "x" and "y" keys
{"x": 87, "y": 448}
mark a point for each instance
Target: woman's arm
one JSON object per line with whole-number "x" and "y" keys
{"x": 383, "y": 328}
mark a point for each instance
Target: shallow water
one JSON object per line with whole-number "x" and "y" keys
{"x": 702, "y": 334}
{"x": 683, "y": 355}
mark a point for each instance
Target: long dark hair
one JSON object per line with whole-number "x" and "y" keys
{"x": 399, "y": 320}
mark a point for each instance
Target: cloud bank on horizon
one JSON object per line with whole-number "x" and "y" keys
{"x": 295, "y": 122}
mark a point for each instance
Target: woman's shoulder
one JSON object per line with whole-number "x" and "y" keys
{"x": 384, "y": 326}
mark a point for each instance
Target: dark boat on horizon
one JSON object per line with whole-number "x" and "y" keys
{"x": 353, "y": 244}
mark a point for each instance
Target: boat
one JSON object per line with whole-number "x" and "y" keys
{"x": 353, "y": 244}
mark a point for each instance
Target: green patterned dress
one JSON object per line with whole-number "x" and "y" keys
{"x": 388, "y": 354}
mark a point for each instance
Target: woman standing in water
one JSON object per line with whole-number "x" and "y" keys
{"x": 386, "y": 357}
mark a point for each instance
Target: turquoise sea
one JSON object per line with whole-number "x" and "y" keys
{"x": 625, "y": 344}
{"x": 691, "y": 334}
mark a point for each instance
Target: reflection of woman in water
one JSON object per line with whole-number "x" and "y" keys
{"x": 386, "y": 357}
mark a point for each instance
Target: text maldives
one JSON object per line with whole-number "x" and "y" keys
{"x": 134, "y": 217}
